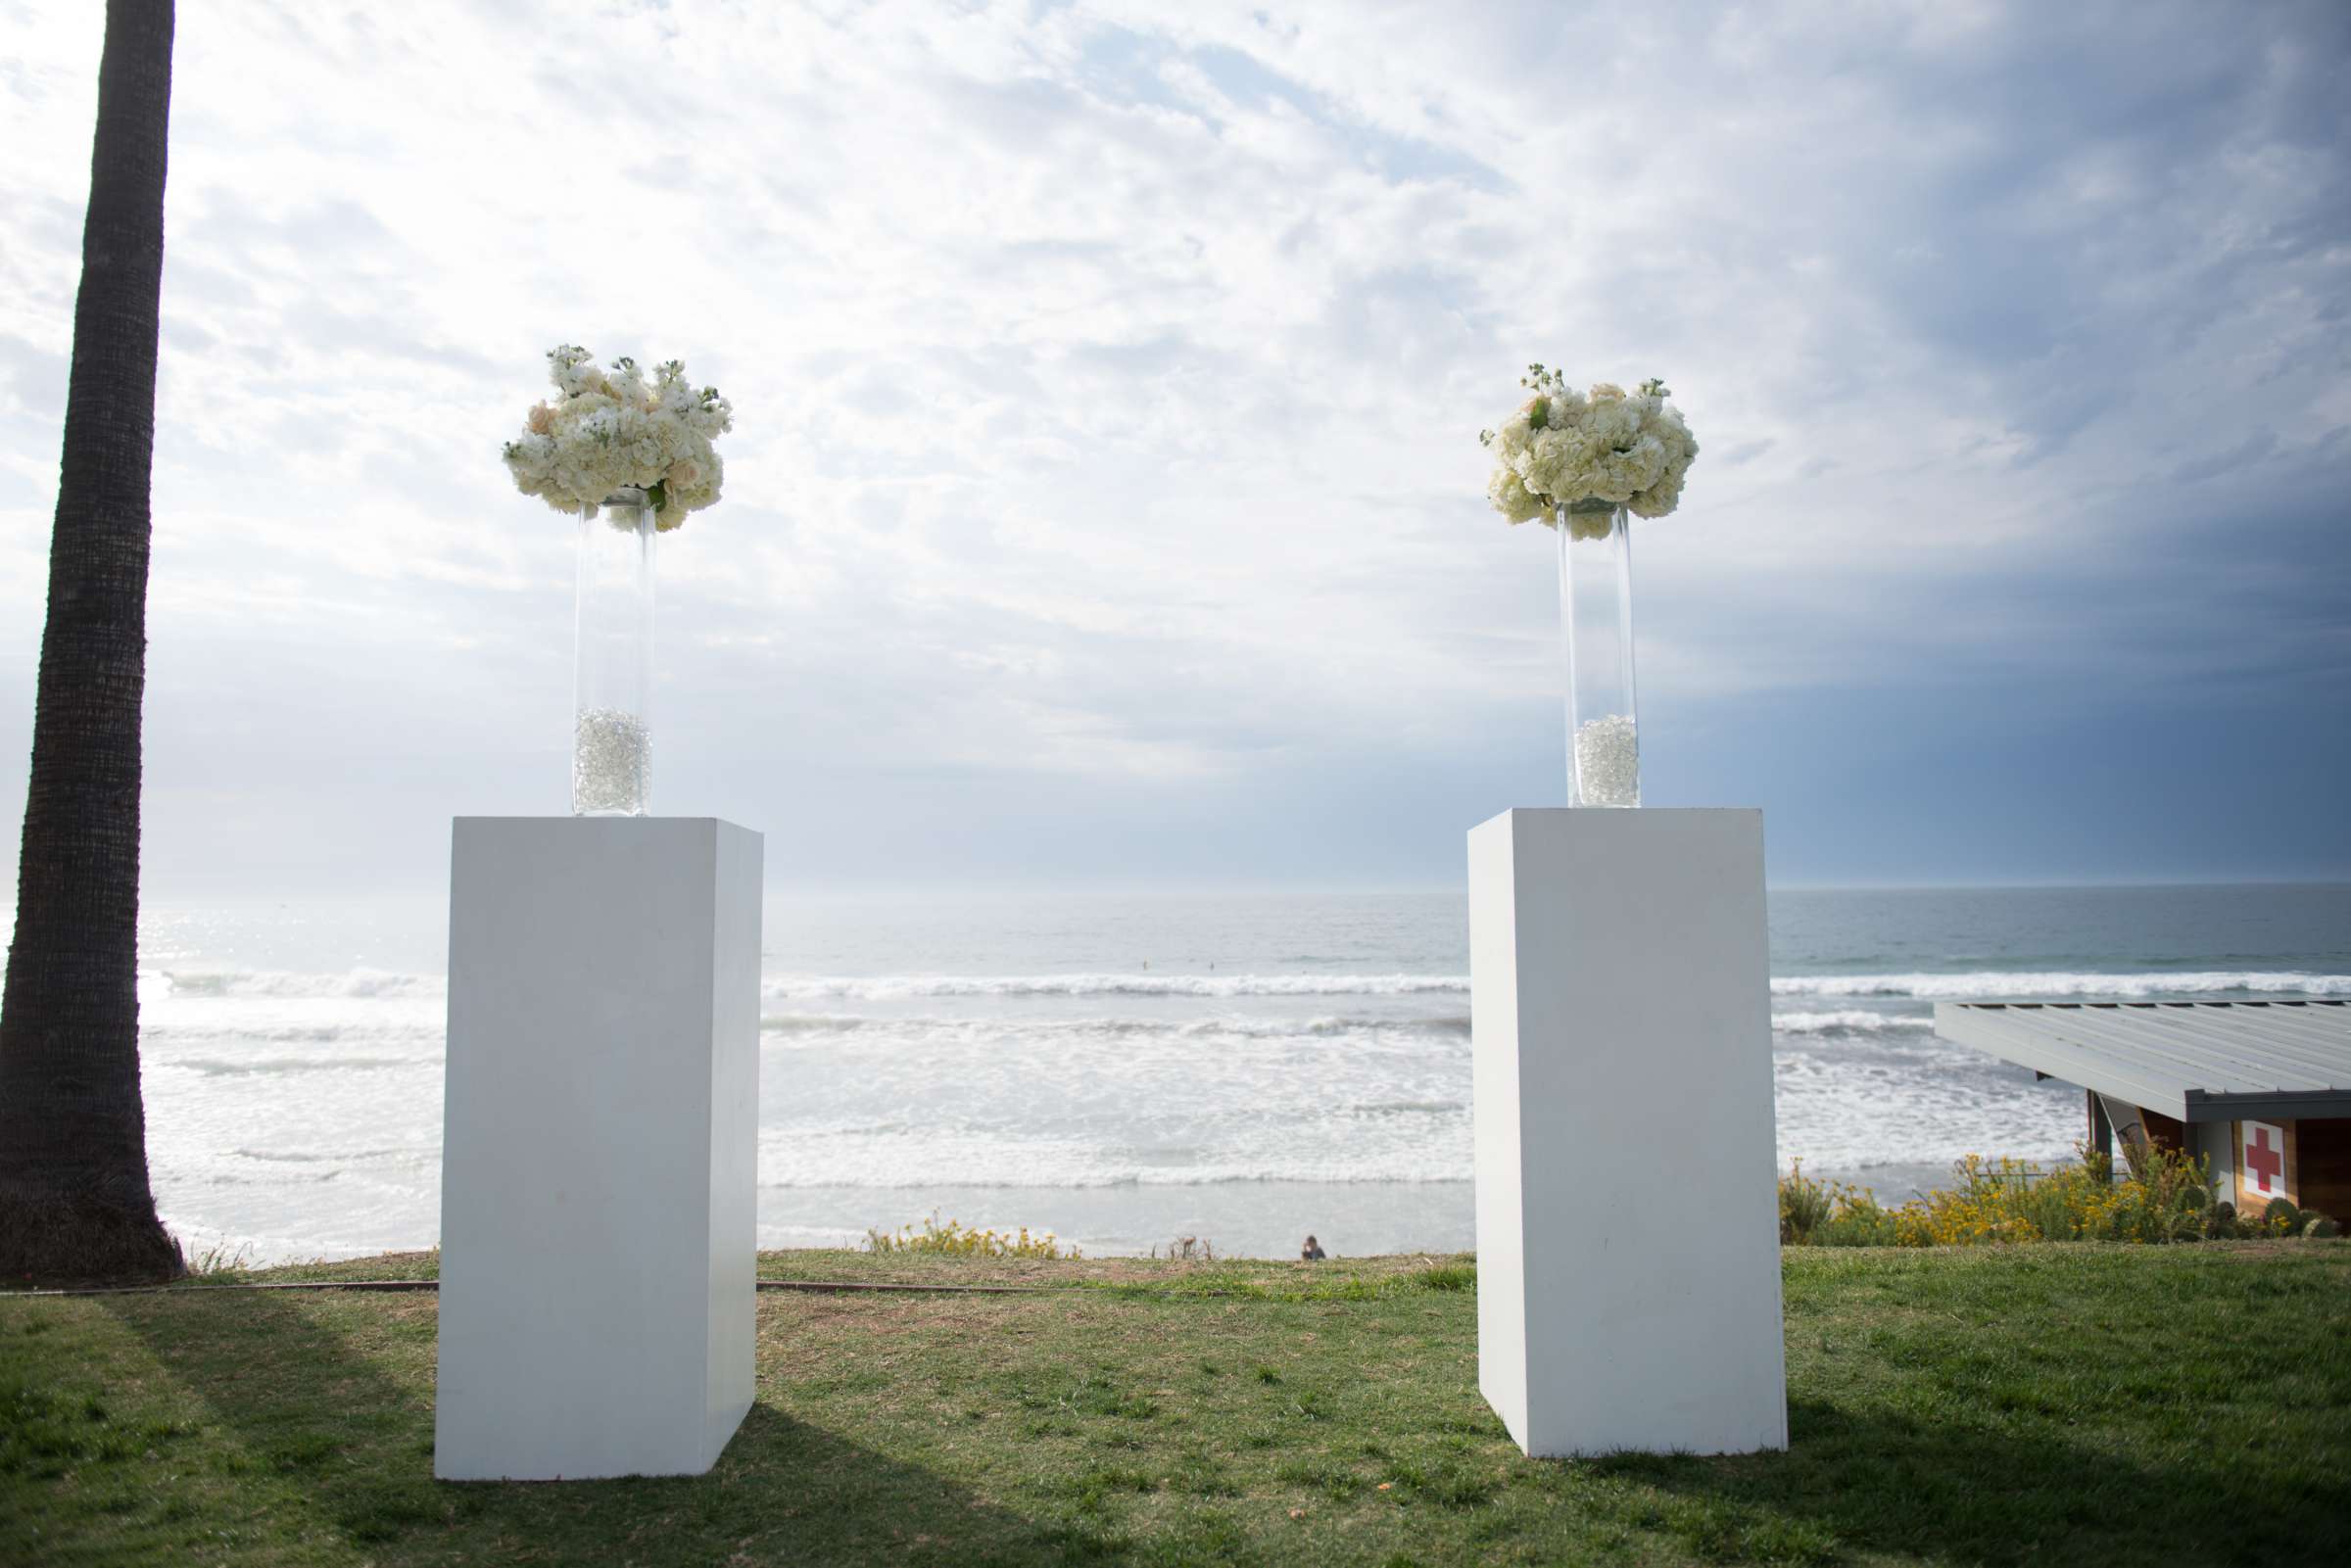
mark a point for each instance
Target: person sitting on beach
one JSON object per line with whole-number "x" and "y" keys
{"x": 1312, "y": 1252}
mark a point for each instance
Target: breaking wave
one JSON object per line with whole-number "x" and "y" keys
{"x": 894, "y": 987}
{"x": 359, "y": 982}
{"x": 1992, "y": 985}
{"x": 1856, "y": 1020}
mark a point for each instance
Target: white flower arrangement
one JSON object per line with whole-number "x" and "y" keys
{"x": 610, "y": 430}
{"x": 1577, "y": 456}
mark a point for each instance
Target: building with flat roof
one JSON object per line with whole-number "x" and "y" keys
{"x": 2261, "y": 1090}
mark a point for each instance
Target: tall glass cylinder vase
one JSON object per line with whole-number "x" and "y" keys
{"x": 612, "y": 750}
{"x": 1596, "y": 618}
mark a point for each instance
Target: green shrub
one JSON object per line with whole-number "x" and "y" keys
{"x": 1818, "y": 1214}
{"x": 1860, "y": 1220}
{"x": 1805, "y": 1206}
{"x": 955, "y": 1240}
{"x": 2169, "y": 1197}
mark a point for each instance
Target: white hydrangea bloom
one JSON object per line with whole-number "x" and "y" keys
{"x": 1513, "y": 499}
{"x": 612, "y": 429}
{"x": 1562, "y": 446}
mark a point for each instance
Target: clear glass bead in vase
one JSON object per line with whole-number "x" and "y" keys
{"x": 612, "y": 750}
{"x": 1596, "y": 621}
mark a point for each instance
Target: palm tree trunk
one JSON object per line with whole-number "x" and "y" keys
{"x": 75, "y": 1203}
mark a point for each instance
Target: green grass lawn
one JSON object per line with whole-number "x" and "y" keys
{"x": 2085, "y": 1404}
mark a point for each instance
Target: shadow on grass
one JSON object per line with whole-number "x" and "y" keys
{"x": 1883, "y": 1482}
{"x": 344, "y": 1443}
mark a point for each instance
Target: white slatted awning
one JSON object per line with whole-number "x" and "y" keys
{"x": 2189, "y": 1061}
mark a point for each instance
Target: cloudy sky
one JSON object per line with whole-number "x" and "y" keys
{"x": 1105, "y": 504}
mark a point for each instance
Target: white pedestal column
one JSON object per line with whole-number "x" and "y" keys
{"x": 1628, "y": 1262}
{"x": 599, "y": 1156}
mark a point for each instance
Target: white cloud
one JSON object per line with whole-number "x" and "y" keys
{"x": 1107, "y": 377}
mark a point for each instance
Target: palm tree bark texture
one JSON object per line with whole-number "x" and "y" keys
{"x": 74, "y": 1200}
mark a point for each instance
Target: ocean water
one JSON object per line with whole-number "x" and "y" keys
{"x": 1124, "y": 1071}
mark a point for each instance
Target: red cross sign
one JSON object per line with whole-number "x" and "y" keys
{"x": 2261, "y": 1157}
